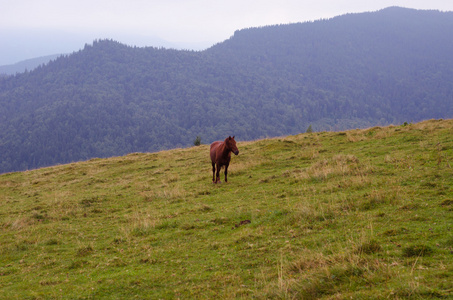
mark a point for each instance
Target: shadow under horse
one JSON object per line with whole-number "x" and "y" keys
{"x": 221, "y": 156}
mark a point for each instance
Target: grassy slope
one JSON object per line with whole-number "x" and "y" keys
{"x": 363, "y": 213}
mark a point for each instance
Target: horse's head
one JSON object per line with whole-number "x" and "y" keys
{"x": 231, "y": 145}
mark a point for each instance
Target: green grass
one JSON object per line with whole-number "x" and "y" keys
{"x": 333, "y": 215}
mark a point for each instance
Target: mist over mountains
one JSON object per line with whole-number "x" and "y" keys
{"x": 109, "y": 99}
{"x": 26, "y": 65}
{"x": 19, "y": 45}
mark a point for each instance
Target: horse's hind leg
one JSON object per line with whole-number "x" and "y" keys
{"x": 217, "y": 174}
{"x": 213, "y": 173}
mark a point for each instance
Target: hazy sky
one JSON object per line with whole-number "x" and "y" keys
{"x": 183, "y": 22}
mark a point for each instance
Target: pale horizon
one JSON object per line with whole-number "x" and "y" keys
{"x": 30, "y": 29}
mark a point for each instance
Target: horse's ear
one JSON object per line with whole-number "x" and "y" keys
{"x": 233, "y": 137}
{"x": 229, "y": 137}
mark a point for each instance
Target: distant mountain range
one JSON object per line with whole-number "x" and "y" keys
{"x": 26, "y": 65}
{"x": 17, "y": 45}
{"x": 109, "y": 99}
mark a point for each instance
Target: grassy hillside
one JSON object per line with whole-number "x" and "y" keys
{"x": 362, "y": 213}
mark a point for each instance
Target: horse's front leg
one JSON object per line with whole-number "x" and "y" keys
{"x": 217, "y": 174}
{"x": 226, "y": 172}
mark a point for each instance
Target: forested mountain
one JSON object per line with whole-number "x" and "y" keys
{"x": 25, "y": 65}
{"x": 356, "y": 70}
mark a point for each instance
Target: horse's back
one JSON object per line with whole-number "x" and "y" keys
{"x": 216, "y": 144}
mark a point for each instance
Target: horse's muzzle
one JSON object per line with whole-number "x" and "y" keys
{"x": 236, "y": 152}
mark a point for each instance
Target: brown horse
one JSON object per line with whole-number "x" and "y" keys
{"x": 221, "y": 156}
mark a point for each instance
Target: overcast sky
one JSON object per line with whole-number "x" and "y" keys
{"x": 182, "y": 22}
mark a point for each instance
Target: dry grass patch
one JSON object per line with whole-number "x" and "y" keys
{"x": 317, "y": 275}
{"x": 141, "y": 224}
{"x": 338, "y": 165}
{"x": 19, "y": 223}
{"x": 165, "y": 192}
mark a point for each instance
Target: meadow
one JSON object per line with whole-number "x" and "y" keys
{"x": 365, "y": 213}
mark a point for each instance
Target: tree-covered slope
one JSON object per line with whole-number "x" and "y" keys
{"x": 351, "y": 71}
{"x": 25, "y": 65}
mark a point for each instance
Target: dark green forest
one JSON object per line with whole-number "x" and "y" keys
{"x": 108, "y": 99}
